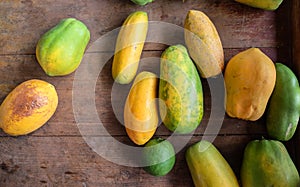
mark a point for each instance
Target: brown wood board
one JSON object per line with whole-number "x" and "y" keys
{"x": 57, "y": 155}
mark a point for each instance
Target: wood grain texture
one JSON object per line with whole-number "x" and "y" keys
{"x": 57, "y": 155}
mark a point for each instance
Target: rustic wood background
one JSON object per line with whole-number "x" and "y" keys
{"x": 57, "y": 155}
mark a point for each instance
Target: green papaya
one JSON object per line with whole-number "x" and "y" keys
{"x": 141, "y": 2}
{"x": 262, "y": 4}
{"x": 180, "y": 91}
{"x": 284, "y": 105}
{"x": 267, "y": 163}
{"x": 208, "y": 167}
{"x": 60, "y": 50}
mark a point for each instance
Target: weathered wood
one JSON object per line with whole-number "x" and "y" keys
{"x": 23, "y": 22}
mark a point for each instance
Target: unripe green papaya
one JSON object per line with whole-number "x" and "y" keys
{"x": 208, "y": 167}
{"x": 262, "y": 4}
{"x": 267, "y": 163}
{"x": 284, "y": 105}
{"x": 60, "y": 50}
{"x": 180, "y": 91}
{"x": 141, "y": 2}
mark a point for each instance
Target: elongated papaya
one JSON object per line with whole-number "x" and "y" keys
{"x": 249, "y": 79}
{"x": 60, "y": 50}
{"x": 208, "y": 167}
{"x": 140, "y": 113}
{"x": 129, "y": 46}
{"x": 203, "y": 43}
{"x": 265, "y": 4}
{"x": 180, "y": 91}
{"x": 284, "y": 105}
{"x": 267, "y": 163}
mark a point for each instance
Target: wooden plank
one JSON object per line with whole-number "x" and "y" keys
{"x": 23, "y": 22}
{"x": 53, "y": 161}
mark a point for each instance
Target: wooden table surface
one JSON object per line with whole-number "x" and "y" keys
{"x": 57, "y": 154}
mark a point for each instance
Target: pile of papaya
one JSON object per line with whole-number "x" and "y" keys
{"x": 255, "y": 86}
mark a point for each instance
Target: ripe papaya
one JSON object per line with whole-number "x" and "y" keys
{"x": 208, "y": 167}
{"x": 141, "y": 2}
{"x": 267, "y": 163}
{"x": 203, "y": 43}
{"x": 129, "y": 46}
{"x": 249, "y": 79}
{"x": 180, "y": 91}
{"x": 60, "y": 50}
{"x": 265, "y": 4}
{"x": 140, "y": 113}
{"x": 284, "y": 105}
{"x": 27, "y": 107}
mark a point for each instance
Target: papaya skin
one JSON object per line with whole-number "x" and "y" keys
{"x": 249, "y": 79}
{"x": 180, "y": 91}
{"x": 60, "y": 50}
{"x": 140, "y": 113}
{"x": 142, "y": 2}
{"x": 267, "y": 163}
{"x": 204, "y": 44}
{"x": 284, "y": 105}
{"x": 208, "y": 167}
{"x": 129, "y": 46}
{"x": 262, "y": 4}
{"x": 28, "y": 107}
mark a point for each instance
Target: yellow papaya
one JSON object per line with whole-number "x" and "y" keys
{"x": 129, "y": 46}
{"x": 203, "y": 43}
{"x": 249, "y": 79}
{"x": 208, "y": 167}
{"x": 140, "y": 113}
{"x": 29, "y": 106}
{"x": 60, "y": 50}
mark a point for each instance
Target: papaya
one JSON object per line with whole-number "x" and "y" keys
{"x": 208, "y": 167}
{"x": 249, "y": 80}
{"x": 28, "y": 107}
{"x": 265, "y": 4}
{"x": 129, "y": 47}
{"x": 60, "y": 50}
{"x": 159, "y": 157}
{"x": 142, "y": 2}
{"x": 203, "y": 43}
{"x": 180, "y": 91}
{"x": 284, "y": 105}
{"x": 140, "y": 113}
{"x": 267, "y": 163}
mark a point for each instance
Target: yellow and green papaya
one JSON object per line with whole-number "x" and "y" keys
{"x": 208, "y": 167}
{"x": 267, "y": 163}
{"x": 203, "y": 43}
{"x": 180, "y": 91}
{"x": 284, "y": 105}
{"x": 262, "y": 4}
{"x": 60, "y": 50}
{"x": 129, "y": 47}
{"x": 141, "y": 2}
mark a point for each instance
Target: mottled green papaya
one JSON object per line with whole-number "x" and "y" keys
{"x": 180, "y": 91}
{"x": 262, "y": 4}
{"x": 141, "y": 2}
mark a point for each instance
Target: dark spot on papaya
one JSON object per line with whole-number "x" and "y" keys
{"x": 27, "y": 101}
